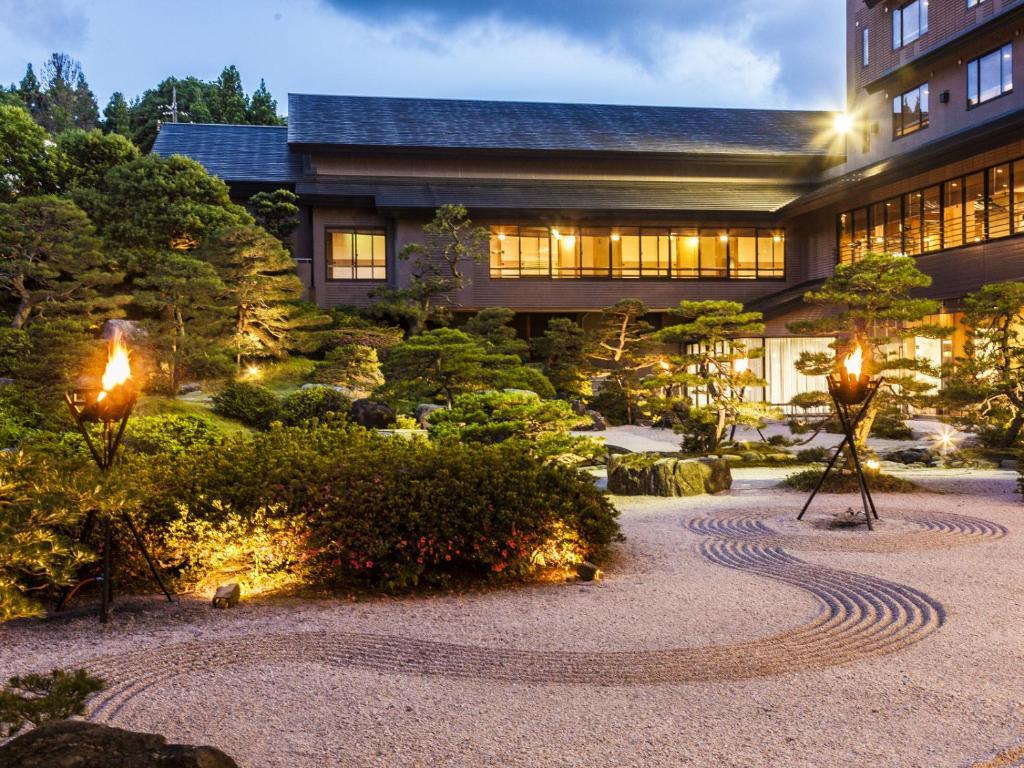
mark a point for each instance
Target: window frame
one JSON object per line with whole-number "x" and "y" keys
{"x": 925, "y": 120}
{"x": 976, "y": 61}
{"x": 865, "y": 47}
{"x": 897, "y": 24}
{"x": 355, "y": 230}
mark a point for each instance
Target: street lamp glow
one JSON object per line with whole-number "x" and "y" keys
{"x": 842, "y": 123}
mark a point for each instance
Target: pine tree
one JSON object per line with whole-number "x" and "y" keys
{"x": 276, "y": 212}
{"x": 263, "y": 107}
{"x": 31, "y": 94}
{"x": 85, "y": 111}
{"x": 620, "y": 347}
{"x": 228, "y": 102}
{"x": 562, "y": 350}
{"x": 84, "y": 157}
{"x": 116, "y": 115}
{"x": 492, "y": 326}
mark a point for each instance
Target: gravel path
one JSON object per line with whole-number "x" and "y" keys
{"x": 725, "y": 634}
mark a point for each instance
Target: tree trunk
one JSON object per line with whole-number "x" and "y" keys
{"x": 179, "y": 335}
{"x": 1013, "y": 431}
{"x": 22, "y": 313}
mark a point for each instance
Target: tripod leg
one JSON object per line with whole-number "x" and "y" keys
{"x": 821, "y": 480}
{"x": 145, "y": 553}
{"x": 105, "y": 586}
{"x": 861, "y": 483}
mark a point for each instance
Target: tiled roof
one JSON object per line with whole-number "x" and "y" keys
{"x": 532, "y": 194}
{"x": 247, "y": 153}
{"x": 532, "y": 126}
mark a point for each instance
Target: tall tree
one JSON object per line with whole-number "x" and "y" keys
{"x": 27, "y": 164}
{"x": 871, "y": 305}
{"x": 117, "y": 115}
{"x": 228, "y": 102}
{"x": 263, "y": 107}
{"x": 84, "y": 157}
{"x": 50, "y": 261}
{"x": 562, "y": 351}
{"x": 262, "y": 289}
{"x": 31, "y": 94}
{"x": 276, "y": 212}
{"x": 67, "y": 101}
{"x": 620, "y": 347}
{"x": 438, "y": 268}
{"x": 712, "y": 367}
{"x": 180, "y": 100}
{"x": 492, "y": 325}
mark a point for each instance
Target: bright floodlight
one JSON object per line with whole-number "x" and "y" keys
{"x": 842, "y": 123}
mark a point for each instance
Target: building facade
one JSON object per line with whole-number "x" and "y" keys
{"x": 589, "y": 204}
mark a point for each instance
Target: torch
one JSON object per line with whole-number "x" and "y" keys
{"x": 850, "y": 386}
{"x": 109, "y": 406}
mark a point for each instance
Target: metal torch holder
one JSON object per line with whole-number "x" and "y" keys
{"x": 112, "y": 415}
{"x": 849, "y": 421}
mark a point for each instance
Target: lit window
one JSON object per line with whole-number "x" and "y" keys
{"x": 999, "y": 201}
{"x": 909, "y": 23}
{"x": 953, "y": 213}
{"x": 865, "y": 46}
{"x": 910, "y": 111}
{"x": 990, "y": 75}
{"x": 356, "y": 255}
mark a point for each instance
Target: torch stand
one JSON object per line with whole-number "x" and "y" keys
{"x": 849, "y": 422}
{"x": 113, "y": 420}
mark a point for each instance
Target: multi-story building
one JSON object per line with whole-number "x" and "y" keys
{"x": 589, "y": 204}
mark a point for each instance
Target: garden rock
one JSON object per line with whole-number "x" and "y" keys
{"x": 77, "y": 744}
{"x": 372, "y": 415}
{"x": 650, "y": 474}
{"x": 188, "y": 389}
{"x": 597, "y": 421}
{"x": 912, "y": 456}
{"x": 423, "y": 411}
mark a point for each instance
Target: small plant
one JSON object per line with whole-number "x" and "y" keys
{"x": 35, "y": 699}
{"x": 168, "y": 433}
{"x": 846, "y": 482}
{"x": 321, "y": 403}
{"x": 252, "y": 404}
{"x": 813, "y": 455}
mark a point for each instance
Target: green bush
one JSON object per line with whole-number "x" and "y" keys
{"x": 35, "y": 699}
{"x": 168, "y": 433}
{"x": 846, "y": 482}
{"x": 20, "y": 417}
{"x": 384, "y": 513}
{"x": 813, "y": 455}
{"x": 320, "y": 403}
{"x": 889, "y": 424}
{"x": 251, "y": 404}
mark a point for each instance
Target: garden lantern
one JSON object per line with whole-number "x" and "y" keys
{"x": 109, "y": 406}
{"x": 850, "y": 386}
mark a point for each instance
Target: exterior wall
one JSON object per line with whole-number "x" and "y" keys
{"x": 332, "y": 293}
{"x": 869, "y": 100}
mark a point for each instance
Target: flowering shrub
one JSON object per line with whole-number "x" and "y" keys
{"x": 392, "y": 514}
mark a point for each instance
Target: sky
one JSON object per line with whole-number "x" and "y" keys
{"x": 785, "y": 54}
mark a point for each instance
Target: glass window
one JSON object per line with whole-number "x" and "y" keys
{"x": 865, "y": 47}
{"x": 860, "y": 233}
{"x": 846, "y": 237}
{"x": 931, "y": 219}
{"x": 714, "y": 253}
{"x": 595, "y": 252}
{"x": 953, "y": 213}
{"x": 771, "y": 253}
{"x": 909, "y": 23}
{"x": 356, "y": 255}
{"x": 686, "y": 259}
{"x": 893, "y": 227}
{"x": 743, "y": 253}
{"x": 999, "y": 201}
{"x": 912, "y": 223}
{"x": 1018, "y": 196}
{"x": 974, "y": 190}
{"x": 876, "y": 224}
{"x": 654, "y": 252}
{"x": 990, "y": 75}
{"x": 910, "y": 111}
{"x": 626, "y": 252}
{"x": 565, "y": 257}
{"x": 505, "y": 252}
{"x": 534, "y": 252}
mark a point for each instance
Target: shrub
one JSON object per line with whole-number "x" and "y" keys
{"x": 36, "y": 699}
{"x": 168, "y": 433}
{"x": 251, "y": 404}
{"x": 385, "y": 513}
{"x": 846, "y": 482}
{"x": 610, "y": 402}
{"x": 320, "y": 403}
{"x": 889, "y": 424}
{"x": 813, "y": 455}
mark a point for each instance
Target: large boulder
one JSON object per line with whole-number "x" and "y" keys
{"x": 651, "y": 474}
{"x": 77, "y": 744}
{"x": 423, "y": 411}
{"x": 372, "y": 415}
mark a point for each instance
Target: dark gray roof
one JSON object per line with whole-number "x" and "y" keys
{"x": 531, "y": 194}
{"x": 247, "y": 153}
{"x": 361, "y": 121}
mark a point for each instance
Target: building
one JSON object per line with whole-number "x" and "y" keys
{"x": 588, "y": 204}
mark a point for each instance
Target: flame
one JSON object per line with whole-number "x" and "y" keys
{"x": 118, "y": 369}
{"x": 741, "y": 366}
{"x": 853, "y": 362}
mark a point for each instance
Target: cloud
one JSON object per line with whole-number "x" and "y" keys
{"x": 59, "y": 24}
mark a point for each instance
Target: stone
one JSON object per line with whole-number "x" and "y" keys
{"x": 597, "y": 421}
{"x": 651, "y": 474}
{"x": 732, "y": 458}
{"x": 126, "y": 329}
{"x": 188, "y": 389}
{"x": 343, "y": 390}
{"x": 587, "y": 571}
{"x": 778, "y": 457}
{"x": 77, "y": 744}
{"x": 227, "y": 596}
{"x": 578, "y": 407}
{"x": 911, "y": 456}
{"x": 1008, "y": 464}
{"x": 423, "y": 411}
{"x": 750, "y": 456}
{"x": 372, "y": 415}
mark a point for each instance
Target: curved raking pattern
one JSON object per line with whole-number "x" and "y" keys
{"x": 859, "y": 617}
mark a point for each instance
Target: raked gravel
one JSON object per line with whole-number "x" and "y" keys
{"x": 951, "y": 696}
